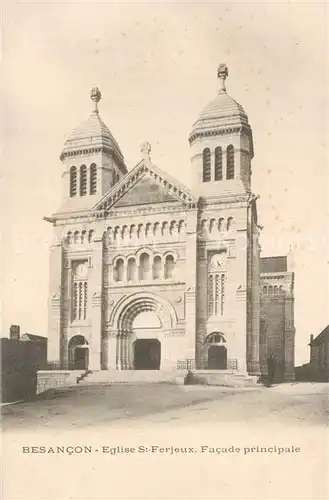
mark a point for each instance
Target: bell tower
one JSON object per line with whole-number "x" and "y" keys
{"x": 221, "y": 145}
{"x": 93, "y": 162}
{"x": 227, "y": 243}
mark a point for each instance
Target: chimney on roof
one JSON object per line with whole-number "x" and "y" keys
{"x": 14, "y": 332}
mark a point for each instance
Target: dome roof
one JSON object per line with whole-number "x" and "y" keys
{"x": 222, "y": 112}
{"x": 223, "y": 109}
{"x": 91, "y": 134}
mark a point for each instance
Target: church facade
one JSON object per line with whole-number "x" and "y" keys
{"x": 148, "y": 274}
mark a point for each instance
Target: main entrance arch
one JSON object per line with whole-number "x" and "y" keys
{"x": 139, "y": 342}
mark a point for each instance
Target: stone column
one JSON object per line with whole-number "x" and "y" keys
{"x": 66, "y": 311}
{"x": 95, "y": 286}
{"x": 289, "y": 340}
{"x": 119, "y": 351}
{"x": 111, "y": 351}
{"x": 55, "y": 305}
{"x": 191, "y": 283}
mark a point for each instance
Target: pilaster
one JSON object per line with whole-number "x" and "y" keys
{"x": 95, "y": 285}
{"x": 55, "y": 304}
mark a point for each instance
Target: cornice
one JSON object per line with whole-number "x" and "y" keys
{"x": 218, "y": 131}
{"x": 96, "y": 150}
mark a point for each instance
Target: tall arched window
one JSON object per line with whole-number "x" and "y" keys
{"x": 118, "y": 270}
{"x": 157, "y": 267}
{"x": 216, "y": 294}
{"x": 73, "y": 181}
{"x": 131, "y": 269}
{"x": 206, "y": 172}
{"x": 230, "y": 162}
{"x": 169, "y": 267}
{"x": 93, "y": 178}
{"x": 218, "y": 164}
{"x": 144, "y": 266}
{"x": 83, "y": 180}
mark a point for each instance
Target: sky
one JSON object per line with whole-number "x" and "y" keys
{"x": 155, "y": 64}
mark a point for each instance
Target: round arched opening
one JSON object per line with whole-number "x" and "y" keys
{"x": 217, "y": 351}
{"x": 78, "y": 353}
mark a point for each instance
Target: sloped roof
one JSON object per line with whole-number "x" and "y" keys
{"x": 273, "y": 264}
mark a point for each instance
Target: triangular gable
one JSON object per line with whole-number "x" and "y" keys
{"x": 145, "y": 191}
{"x": 145, "y": 184}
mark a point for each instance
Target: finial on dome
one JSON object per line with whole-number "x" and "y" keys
{"x": 222, "y": 74}
{"x": 146, "y": 150}
{"x": 95, "y": 96}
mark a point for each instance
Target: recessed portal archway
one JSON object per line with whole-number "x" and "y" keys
{"x": 78, "y": 353}
{"x": 142, "y": 319}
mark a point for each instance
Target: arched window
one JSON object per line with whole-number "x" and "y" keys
{"x": 281, "y": 289}
{"x": 206, "y": 172}
{"x": 165, "y": 228}
{"x": 212, "y": 225}
{"x": 131, "y": 269}
{"x": 156, "y": 229}
{"x": 144, "y": 266}
{"x": 173, "y": 228}
{"x": 118, "y": 270}
{"x": 132, "y": 232}
{"x": 73, "y": 181}
{"x": 218, "y": 164}
{"x": 275, "y": 289}
{"x": 270, "y": 290}
{"x": 90, "y": 236}
{"x": 230, "y": 162}
{"x": 148, "y": 229}
{"x": 125, "y": 233}
{"x": 140, "y": 231}
{"x": 169, "y": 267}
{"x": 221, "y": 224}
{"x": 181, "y": 227}
{"x": 76, "y": 237}
{"x": 216, "y": 294}
{"x": 116, "y": 233}
{"x": 157, "y": 267}
{"x": 229, "y": 223}
{"x": 264, "y": 290}
{"x": 83, "y": 180}
{"x": 93, "y": 178}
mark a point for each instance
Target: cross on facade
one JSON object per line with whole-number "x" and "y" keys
{"x": 146, "y": 150}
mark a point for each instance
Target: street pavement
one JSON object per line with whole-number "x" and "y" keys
{"x": 302, "y": 404}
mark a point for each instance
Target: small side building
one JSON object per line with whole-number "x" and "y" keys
{"x": 277, "y": 326}
{"x": 21, "y": 358}
{"x": 319, "y": 356}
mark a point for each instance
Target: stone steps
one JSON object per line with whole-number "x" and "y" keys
{"x": 106, "y": 377}
{"x": 225, "y": 378}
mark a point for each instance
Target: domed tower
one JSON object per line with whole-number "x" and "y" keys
{"x": 228, "y": 288}
{"x": 92, "y": 159}
{"x": 222, "y": 146}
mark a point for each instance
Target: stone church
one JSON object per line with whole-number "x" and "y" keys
{"x": 146, "y": 274}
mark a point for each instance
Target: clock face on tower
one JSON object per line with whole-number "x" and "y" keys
{"x": 218, "y": 260}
